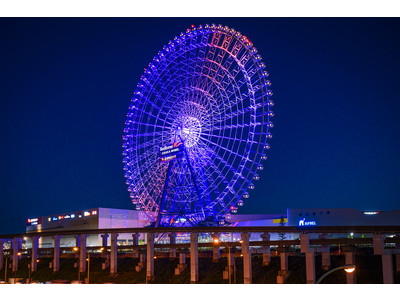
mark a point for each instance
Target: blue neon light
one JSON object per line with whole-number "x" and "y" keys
{"x": 303, "y": 222}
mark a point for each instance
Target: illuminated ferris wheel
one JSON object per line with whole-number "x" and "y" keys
{"x": 197, "y": 128}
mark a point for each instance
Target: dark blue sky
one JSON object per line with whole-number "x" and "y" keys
{"x": 65, "y": 87}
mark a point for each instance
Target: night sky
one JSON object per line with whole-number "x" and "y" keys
{"x": 65, "y": 87}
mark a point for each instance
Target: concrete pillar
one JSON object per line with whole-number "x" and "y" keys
{"x": 104, "y": 240}
{"x": 284, "y": 261}
{"x": 305, "y": 243}
{"x": 182, "y": 258}
{"x": 284, "y": 271}
{"x": 310, "y": 267}
{"x": 1, "y": 255}
{"x": 216, "y": 249}
{"x": 397, "y": 258}
{"x": 114, "y": 254}
{"x": 56, "y": 259}
{"x": 172, "y": 241}
{"x": 325, "y": 254}
{"x": 104, "y": 243}
{"x": 387, "y": 268}
{"x": 34, "y": 256}
{"x": 142, "y": 261}
{"x": 350, "y": 260}
{"x": 82, "y": 253}
{"x": 182, "y": 264}
{"x": 247, "y": 271}
{"x": 16, "y": 244}
{"x": 267, "y": 250}
{"x": 387, "y": 264}
{"x": 194, "y": 258}
{"x": 378, "y": 241}
{"x": 77, "y": 241}
{"x": 135, "y": 242}
{"x": 310, "y": 259}
{"x": 150, "y": 256}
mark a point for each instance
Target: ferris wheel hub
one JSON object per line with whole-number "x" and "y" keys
{"x": 189, "y": 130}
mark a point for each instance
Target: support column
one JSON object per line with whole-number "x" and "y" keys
{"x": 150, "y": 256}
{"x": 16, "y": 243}
{"x": 350, "y": 260}
{"x": 182, "y": 264}
{"x": 310, "y": 259}
{"x": 387, "y": 264}
{"x": 104, "y": 243}
{"x": 114, "y": 254}
{"x": 284, "y": 261}
{"x": 310, "y": 267}
{"x": 387, "y": 268}
{"x": 267, "y": 250}
{"x": 397, "y": 258}
{"x": 1, "y": 255}
{"x": 216, "y": 249}
{"x": 194, "y": 258}
{"x": 247, "y": 271}
{"x": 172, "y": 241}
{"x": 104, "y": 240}
{"x": 56, "y": 259}
{"x": 325, "y": 254}
{"x": 82, "y": 253}
{"x": 142, "y": 261}
{"x": 284, "y": 272}
{"x": 77, "y": 244}
{"x": 34, "y": 256}
{"x": 135, "y": 242}
{"x": 77, "y": 241}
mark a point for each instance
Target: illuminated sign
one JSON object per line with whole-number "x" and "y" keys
{"x": 72, "y": 216}
{"x": 277, "y": 221}
{"x": 55, "y": 219}
{"x": 171, "y": 152}
{"x": 303, "y": 222}
{"x": 94, "y": 212}
{"x": 371, "y": 212}
{"x": 86, "y": 213}
{"x": 34, "y": 221}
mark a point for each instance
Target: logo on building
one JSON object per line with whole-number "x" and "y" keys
{"x": 303, "y": 222}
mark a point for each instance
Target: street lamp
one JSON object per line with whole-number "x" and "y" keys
{"x": 76, "y": 249}
{"x": 88, "y": 269}
{"x": 15, "y": 271}
{"x": 347, "y": 268}
{"x": 5, "y": 269}
{"x": 217, "y": 241}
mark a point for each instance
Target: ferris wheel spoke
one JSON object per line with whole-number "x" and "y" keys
{"x": 234, "y": 139}
{"x": 225, "y": 149}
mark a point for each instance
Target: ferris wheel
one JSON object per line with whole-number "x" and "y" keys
{"x": 197, "y": 128}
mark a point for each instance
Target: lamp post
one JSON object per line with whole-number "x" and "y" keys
{"x": 76, "y": 249}
{"x": 29, "y": 271}
{"x": 347, "y": 268}
{"x": 15, "y": 271}
{"x": 5, "y": 271}
{"x": 88, "y": 268}
{"x": 217, "y": 241}
{"x": 234, "y": 267}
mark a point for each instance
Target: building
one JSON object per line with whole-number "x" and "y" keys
{"x": 341, "y": 217}
{"x": 104, "y": 218}
{"x": 96, "y": 218}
